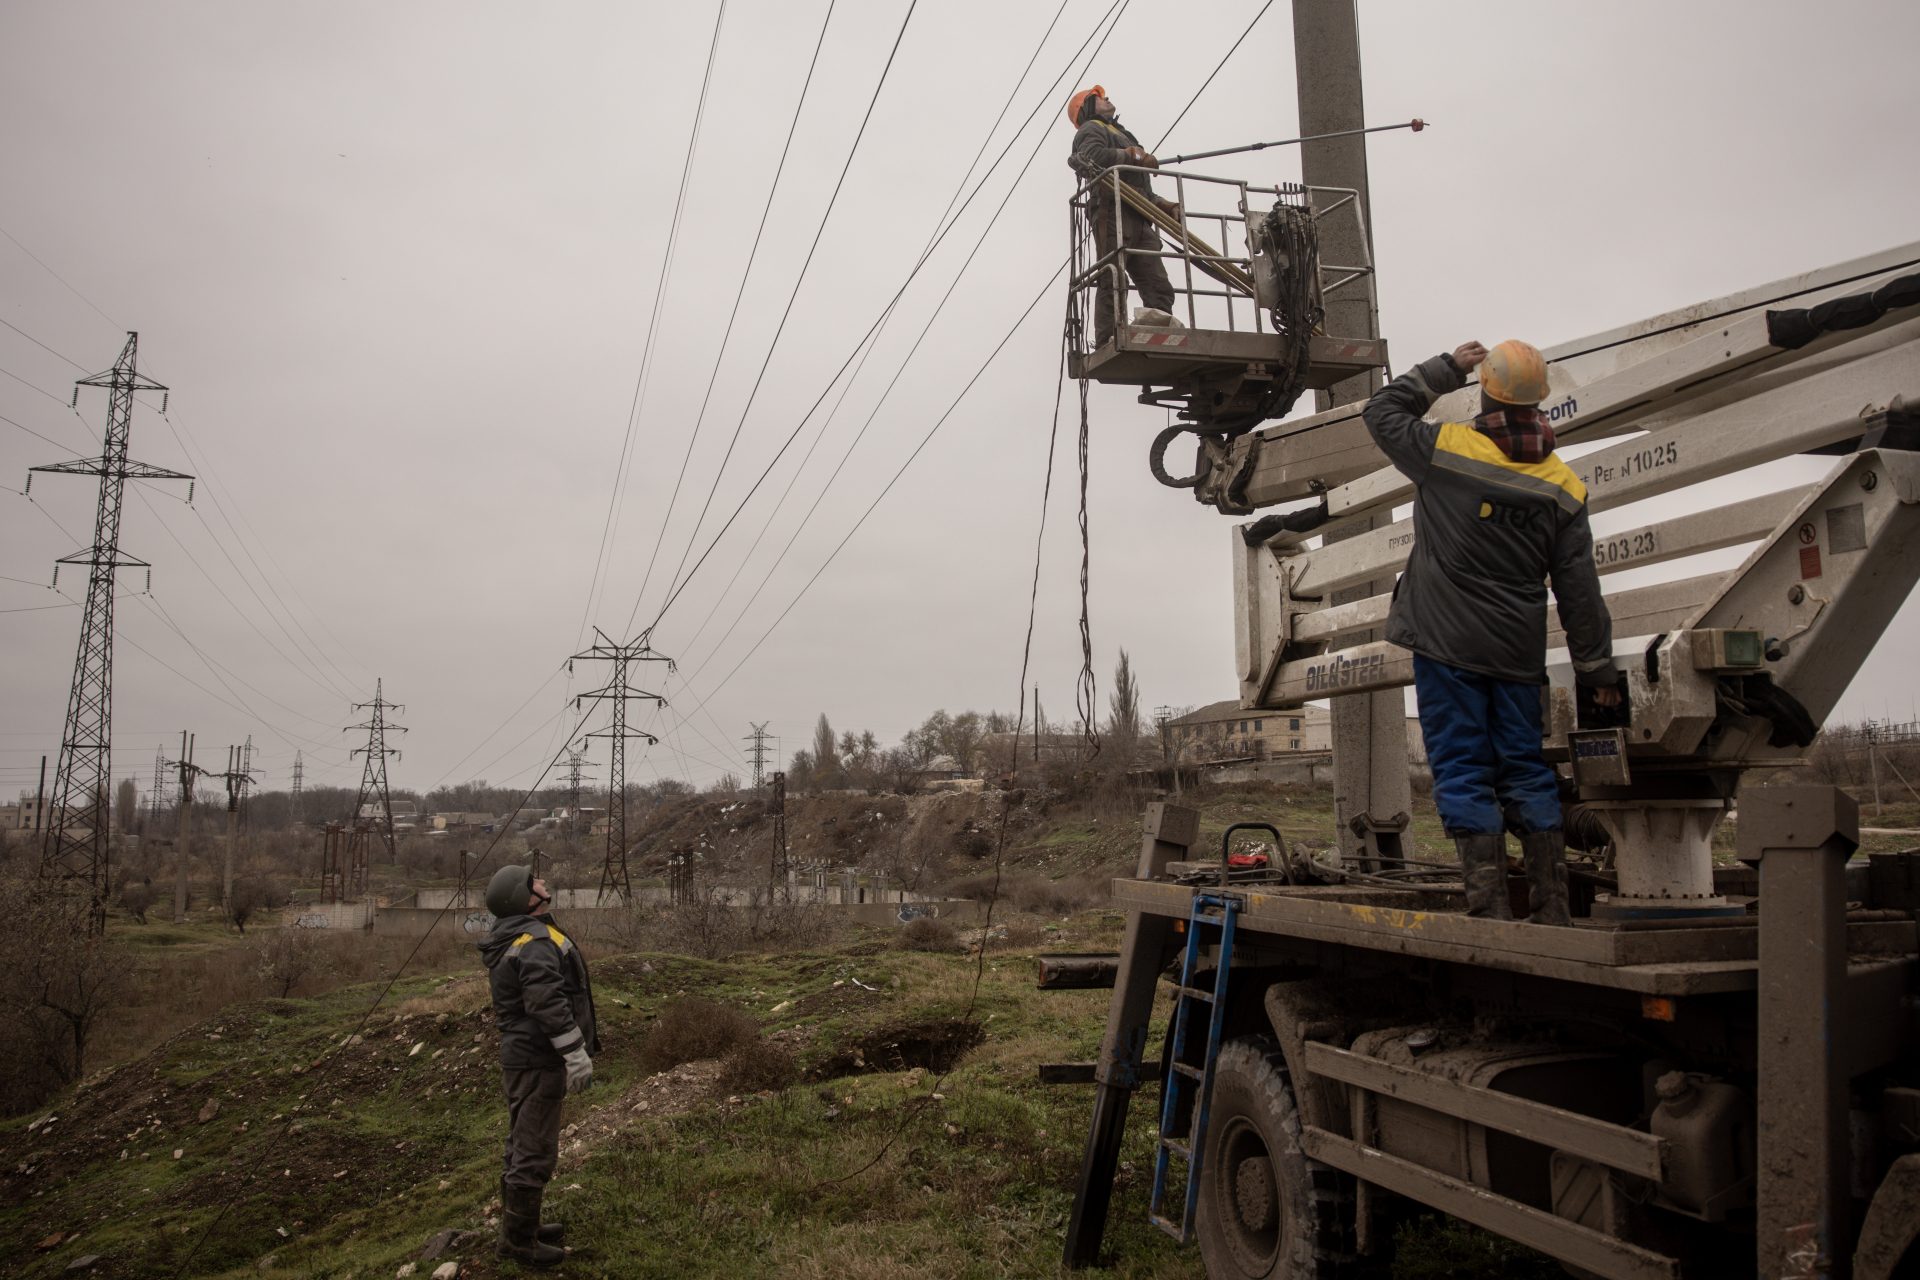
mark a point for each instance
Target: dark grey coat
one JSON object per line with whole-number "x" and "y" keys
{"x": 1489, "y": 533}
{"x": 1096, "y": 148}
{"x": 542, "y": 997}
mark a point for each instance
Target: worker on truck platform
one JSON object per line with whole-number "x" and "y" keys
{"x": 1496, "y": 515}
{"x": 543, "y": 1004}
{"x": 1100, "y": 142}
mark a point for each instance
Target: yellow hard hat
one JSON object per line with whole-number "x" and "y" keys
{"x": 1515, "y": 373}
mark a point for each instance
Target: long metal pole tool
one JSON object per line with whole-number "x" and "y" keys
{"x": 1415, "y": 125}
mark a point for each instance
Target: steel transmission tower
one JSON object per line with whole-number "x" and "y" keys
{"x": 159, "y": 785}
{"x": 373, "y": 780}
{"x": 576, "y": 771}
{"x": 757, "y": 753}
{"x": 299, "y": 782}
{"x": 77, "y": 848}
{"x": 619, "y": 691}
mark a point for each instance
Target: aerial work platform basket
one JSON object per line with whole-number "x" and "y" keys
{"x": 1248, "y": 290}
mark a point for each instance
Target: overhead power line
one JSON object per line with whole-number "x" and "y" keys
{"x": 886, "y": 318}
{"x": 787, "y": 312}
{"x": 1116, "y": 12}
{"x": 821, "y": 398}
{"x": 746, "y": 272}
{"x": 918, "y": 449}
{"x": 602, "y": 560}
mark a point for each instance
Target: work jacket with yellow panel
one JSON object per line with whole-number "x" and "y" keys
{"x": 1489, "y": 534}
{"x": 542, "y": 997}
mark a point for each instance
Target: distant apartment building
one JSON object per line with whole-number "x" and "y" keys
{"x": 1228, "y": 731}
{"x": 23, "y": 816}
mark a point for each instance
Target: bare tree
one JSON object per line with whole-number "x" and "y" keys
{"x": 288, "y": 957}
{"x": 61, "y": 985}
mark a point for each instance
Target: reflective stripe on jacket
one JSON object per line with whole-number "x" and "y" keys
{"x": 1489, "y": 533}
{"x": 542, "y": 997}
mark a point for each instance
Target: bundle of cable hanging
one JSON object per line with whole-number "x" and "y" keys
{"x": 1286, "y": 279}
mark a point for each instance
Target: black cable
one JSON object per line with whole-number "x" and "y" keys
{"x": 1168, "y": 132}
{"x": 786, "y": 313}
{"x": 1008, "y": 801}
{"x": 601, "y": 558}
{"x": 733, "y": 315}
{"x": 925, "y": 440}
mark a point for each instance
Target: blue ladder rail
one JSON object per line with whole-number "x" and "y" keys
{"x": 1186, "y": 1093}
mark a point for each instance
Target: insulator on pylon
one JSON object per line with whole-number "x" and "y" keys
{"x": 75, "y": 402}
{"x": 149, "y": 582}
{"x": 28, "y": 491}
{"x": 56, "y": 577}
{"x": 190, "y": 492}
{"x": 163, "y": 402}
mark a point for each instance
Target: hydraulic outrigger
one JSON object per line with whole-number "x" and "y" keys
{"x": 1716, "y": 1070}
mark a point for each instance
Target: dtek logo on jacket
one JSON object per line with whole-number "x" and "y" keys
{"x": 1510, "y": 515}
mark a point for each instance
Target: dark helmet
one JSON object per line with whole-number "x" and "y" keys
{"x": 508, "y": 891}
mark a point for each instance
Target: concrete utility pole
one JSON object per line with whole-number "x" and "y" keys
{"x": 238, "y": 777}
{"x": 184, "y": 854}
{"x": 77, "y": 848}
{"x": 619, "y": 691}
{"x": 779, "y": 873}
{"x": 1372, "y": 794}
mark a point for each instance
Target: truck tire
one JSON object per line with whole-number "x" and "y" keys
{"x": 1266, "y": 1210}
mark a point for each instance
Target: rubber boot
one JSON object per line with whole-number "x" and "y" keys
{"x": 1483, "y": 860}
{"x": 520, "y": 1229}
{"x": 550, "y": 1232}
{"x": 1545, "y": 853}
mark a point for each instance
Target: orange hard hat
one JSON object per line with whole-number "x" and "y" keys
{"x": 1514, "y": 373}
{"x": 1079, "y": 100}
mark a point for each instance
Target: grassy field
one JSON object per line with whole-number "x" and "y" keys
{"x": 331, "y": 1136}
{"x": 272, "y": 1142}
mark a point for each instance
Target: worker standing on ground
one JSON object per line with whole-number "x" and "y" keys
{"x": 1496, "y": 515}
{"x": 543, "y": 1005}
{"x": 1099, "y": 143}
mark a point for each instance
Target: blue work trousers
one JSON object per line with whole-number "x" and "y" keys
{"x": 1483, "y": 745}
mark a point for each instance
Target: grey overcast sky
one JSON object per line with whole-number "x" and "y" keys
{"x": 397, "y": 263}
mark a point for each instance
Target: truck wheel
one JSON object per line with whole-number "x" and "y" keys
{"x": 1265, "y": 1209}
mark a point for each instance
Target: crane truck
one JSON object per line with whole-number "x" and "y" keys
{"x": 1716, "y": 1070}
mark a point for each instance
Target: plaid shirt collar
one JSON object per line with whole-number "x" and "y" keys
{"x": 1521, "y": 433}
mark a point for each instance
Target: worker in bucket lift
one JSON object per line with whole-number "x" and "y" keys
{"x": 1496, "y": 515}
{"x": 1100, "y": 142}
{"x": 543, "y": 1004}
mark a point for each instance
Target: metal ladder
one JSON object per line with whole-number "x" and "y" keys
{"x": 1186, "y": 1093}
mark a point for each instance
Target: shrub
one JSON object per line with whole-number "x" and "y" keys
{"x": 287, "y": 957}
{"x": 930, "y": 933}
{"x": 760, "y": 1065}
{"x": 136, "y": 896}
{"x": 694, "y": 1029}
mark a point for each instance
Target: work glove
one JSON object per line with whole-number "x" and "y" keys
{"x": 579, "y": 1069}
